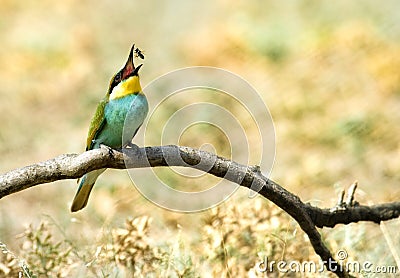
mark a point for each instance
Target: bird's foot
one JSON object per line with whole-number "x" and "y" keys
{"x": 110, "y": 150}
{"x": 132, "y": 149}
{"x": 132, "y": 146}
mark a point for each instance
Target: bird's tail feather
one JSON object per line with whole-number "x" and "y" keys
{"x": 85, "y": 187}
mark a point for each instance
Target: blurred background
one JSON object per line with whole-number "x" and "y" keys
{"x": 329, "y": 74}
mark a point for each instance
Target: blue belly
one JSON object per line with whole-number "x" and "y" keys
{"x": 123, "y": 116}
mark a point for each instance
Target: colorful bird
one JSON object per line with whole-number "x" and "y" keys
{"x": 116, "y": 120}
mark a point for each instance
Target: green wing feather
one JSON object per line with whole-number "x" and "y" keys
{"x": 97, "y": 124}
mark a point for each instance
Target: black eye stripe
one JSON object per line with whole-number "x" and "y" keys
{"x": 115, "y": 81}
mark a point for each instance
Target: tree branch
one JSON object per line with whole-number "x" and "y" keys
{"x": 72, "y": 166}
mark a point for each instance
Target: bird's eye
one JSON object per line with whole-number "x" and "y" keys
{"x": 117, "y": 77}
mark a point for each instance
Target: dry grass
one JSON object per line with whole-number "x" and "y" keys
{"x": 233, "y": 239}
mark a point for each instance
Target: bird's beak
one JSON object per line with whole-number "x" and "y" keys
{"x": 129, "y": 67}
{"x": 136, "y": 70}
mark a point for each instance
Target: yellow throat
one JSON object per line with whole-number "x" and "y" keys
{"x": 126, "y": 87}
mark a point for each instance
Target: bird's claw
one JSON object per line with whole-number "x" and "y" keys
{"x": 110, "y": 150}
{"x": 132, "y": 145}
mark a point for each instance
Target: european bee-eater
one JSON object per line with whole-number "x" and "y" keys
{"x": 121, "y": 112}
